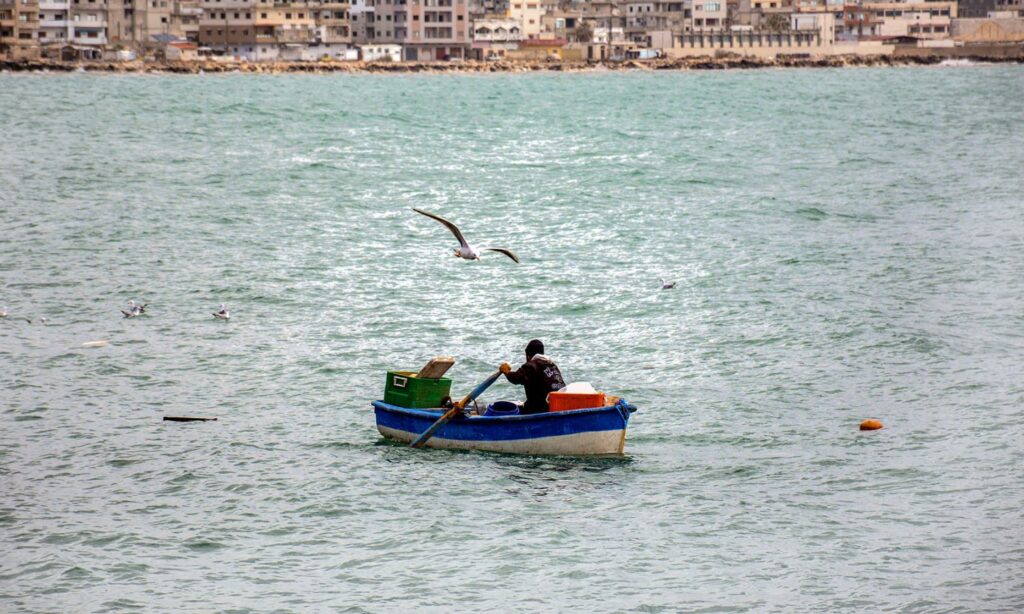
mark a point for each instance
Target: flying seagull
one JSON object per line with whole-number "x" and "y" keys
{"x": 667, "y": 285}
{"x": 134, "y": 309}
{"x": 465, "y": 250}
{"x": 223, "y": 313}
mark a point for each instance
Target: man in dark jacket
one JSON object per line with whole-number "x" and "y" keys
{"x": 539, "y": 375}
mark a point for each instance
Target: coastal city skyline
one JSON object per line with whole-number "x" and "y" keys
{"x": 508, "y": 30}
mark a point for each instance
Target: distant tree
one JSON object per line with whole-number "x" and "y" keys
{"x": 777, "y": 22}
{"x": 584, "y": 33}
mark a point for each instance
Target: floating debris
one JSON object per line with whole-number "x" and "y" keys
{"x": 870, "y": 425}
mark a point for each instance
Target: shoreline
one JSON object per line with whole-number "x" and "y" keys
{"x": 476, "y": 67}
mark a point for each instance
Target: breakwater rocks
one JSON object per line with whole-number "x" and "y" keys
{"x": 325, "y": 67}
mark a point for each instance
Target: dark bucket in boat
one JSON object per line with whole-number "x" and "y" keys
{"x": 502, "y": 408}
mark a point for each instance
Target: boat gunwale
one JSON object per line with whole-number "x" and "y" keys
{"x": 436, "y": 413}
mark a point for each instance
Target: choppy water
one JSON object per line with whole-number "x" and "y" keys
{"x": 848, "y": 244}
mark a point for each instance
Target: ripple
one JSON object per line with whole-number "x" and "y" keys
{"x": 829, "y": 271}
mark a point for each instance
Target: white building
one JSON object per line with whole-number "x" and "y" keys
{"x": 89, "y": 23}
{"x": 492, "y": 38}
{"x": 55, "y": 23}
{"x": 497, "y": 31}
{"x": 376, "y": 53}
{"x": 528, "y": 13}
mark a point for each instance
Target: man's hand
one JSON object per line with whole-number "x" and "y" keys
{"x": 505, "y": 368}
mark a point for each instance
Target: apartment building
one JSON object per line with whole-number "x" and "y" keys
{"x": 55, "y": 23}
{"x": 646, "y": 19}
{"x": 929, "y": 20}
{"x": 89, "y": 26}
{"x": 529, "y": 14}
{"x": 361, "y": 14}
{"x": 708, "y": 15}
{"x": 19, "y": 28}
{"x": 120, "y": 16}
{"x": 186, "y": 15}
{"x": 259, "y": 29}
{"x": 494, "y": 37}
{"x": 146, "y": 23}
{"x": 488, "y": 9}
{"x": 333, "y": 35}
{"x": 607, "y": 20}
{"x": 558, "y": 23}
{"x": 754, "y": 13}
{"x": 427, "y": 30}
{"x": 142, "y": 21}
{"x": 856, "y": 22}
{"x": 229, "y": 27}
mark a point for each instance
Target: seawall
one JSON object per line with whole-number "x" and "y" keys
{"x": 902, "y": 57}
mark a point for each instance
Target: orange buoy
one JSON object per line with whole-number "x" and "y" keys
{"x": 870, "y": 425}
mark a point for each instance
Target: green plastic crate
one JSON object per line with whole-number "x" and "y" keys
{"x": 404, "y": 389}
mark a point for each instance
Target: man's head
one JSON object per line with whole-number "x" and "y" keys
{"x": 533, "y": 348}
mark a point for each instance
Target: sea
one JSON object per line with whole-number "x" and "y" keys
{"x": 846, "y": 244}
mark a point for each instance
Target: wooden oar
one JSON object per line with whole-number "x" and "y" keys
{"x": 455, "y": 410}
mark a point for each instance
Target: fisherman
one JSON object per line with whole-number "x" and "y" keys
{"x": 539, "y": 375}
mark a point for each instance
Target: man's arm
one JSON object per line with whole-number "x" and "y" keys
{"x": 516, "y": 377}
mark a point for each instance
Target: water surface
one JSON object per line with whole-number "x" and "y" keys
{"x": 848, "y": 244}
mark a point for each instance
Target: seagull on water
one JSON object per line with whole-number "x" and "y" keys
{"x": 3, "y": 311}
{"x": 667, "y": 285}
{"x": 465, "y": 250}
{"x": 134, "y": 309}
{"x": 223, "y": 313}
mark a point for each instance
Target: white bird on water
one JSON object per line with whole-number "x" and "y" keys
{"x": 465, "y": 250}
{"x": 223, "y": 313}
{"x": 134, "y": 309}
{"x": 3, "y": 311}
{"x": 667, "y": 285}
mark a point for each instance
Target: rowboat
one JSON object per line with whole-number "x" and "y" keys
{"x": 578, "y": 432}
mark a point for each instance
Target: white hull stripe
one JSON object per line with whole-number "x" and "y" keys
{"x": 577, "y": 444}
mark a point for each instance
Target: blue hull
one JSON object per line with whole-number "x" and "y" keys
{"x": 579, "y": 432}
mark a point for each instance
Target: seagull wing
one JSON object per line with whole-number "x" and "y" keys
{"x": 452, "y": 227}
{"x": 502, "y": 250}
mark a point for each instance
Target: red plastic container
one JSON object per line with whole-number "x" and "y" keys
{"x": 564, "y": 401}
